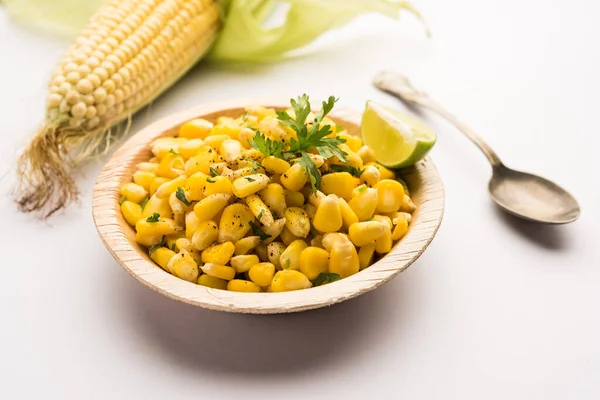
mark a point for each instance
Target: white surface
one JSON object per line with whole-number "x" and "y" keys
{"x": 495, "y": 309}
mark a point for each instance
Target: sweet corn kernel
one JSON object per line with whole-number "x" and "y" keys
{"x": 274, "y": 230}
{"x": 164, "y": 145}
{"x": 384, "y": 243}
{"x": 240, "y": 285}
{"x": 400, "y": 226}
{"x": 294, "y": 178}
{"x": 165, "y": 190}
{"x": 218, "y": 271}
{"x": 231, "y": 150}
{"x": 274, "y": 197}
{"x": 183, "y": 266}
{"x": 171, "y": 166}
{"x": 353, "y": 142}
{"x": 132, "y": 212}
{"x": 317, "y": 241}
{"x": 245, "y": 135}
{"x": 195, "y": 186}
{"x": 363, "y": 233}
{"x": 202, "y": 161}
{"x": 311, "y": 211}
{"x": 190, "y": 148}
{"x": 260, "y": 210}
{"x": 158, "y": 206}
{"x": 407, "y": 205}
{"x": 184, "y": 244}
{"x": 294, "y": 199}
{"x": 218, "y": 253}
{"x": 144, "y": 179}
{"x": 228, "y": 127}
{"x": 331, "y": 239}
{"x": 313, "y": 261}
{"x": 365, "y": 255}
{"x": 235, "y": 222}
{"x": 367, "y": 154}
{"x": 162, "y": 256}
{"x": 212, "y": 282}
{"x": 340, "y": 184}
{"x": 195, "y": 129}
{"x": 191, "y": 223}
{"x": 275, "y": 165}
{"x": 329, "y": 216}
{"x": 315, "y": 198}
{"x": 178, "y": 207}
{"x": 245, "y": 245}
{"x": 133, "y": 192}
{"x": 383, "y": 171}
{"x": 244, "y": 263}
{"x": 218, "y": 184}
{"x": 156, "y": 182}
{"x": 290, "y": 258}
{"x": 297, "y": 221}
{"x": 206, "y": 234}
{"x": 364, "y": 202}
{"x": 262, "y": 273}
{"x": 147, "y": 240}
{"x": 390, "y": 195}
{"x": 274, "y": 251}
{"x": 288, "y": 280}
{"x": 164, "y": 226}
{"x": 261, "y": 252}
{"x": 210, "y": 206}
{"x": 348, "y": 215}
{"x": 147, "y": 167}
{"x": 215, "y": 141}
{"x": 370, "y": 176}
{"x": 343, "y": 259}
{"x": 250, "y": 184}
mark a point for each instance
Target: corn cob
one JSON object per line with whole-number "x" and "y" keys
{"x": 129, "y": 52}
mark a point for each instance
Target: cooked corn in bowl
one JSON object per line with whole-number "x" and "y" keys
{"x": 262, "y": 199}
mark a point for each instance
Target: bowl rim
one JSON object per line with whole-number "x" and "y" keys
{"x": 112, "y": 227}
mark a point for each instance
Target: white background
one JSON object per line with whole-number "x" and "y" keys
{"x": 495, "y": 309}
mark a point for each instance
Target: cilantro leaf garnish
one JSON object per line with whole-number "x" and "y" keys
{"x": 347, "y": 168}
{"x": 213, "y": 172}
{"x": 326, "y": 277}
{"x": 249, "y": 179}
{"x": 265, "y": 145}
{"x": 143, "y": 203}
{"x": 123, "y": 199}
{"x": 153, "y": 218}
{"x": 157, "y": 246}
{"x": 258, "y": 232}
{"x": 180, "y": 194}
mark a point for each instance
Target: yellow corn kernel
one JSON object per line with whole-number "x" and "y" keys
{"x": 195, "y": 186}
{"x": 218, "y": 253}
{"x": 244, "y": 263}
{"x": 171, "y": 239}
{"x": 162, "y": 256}
{"x": 365, "y": 255}
{"x": 210, "y": 206}
{"x": 353, "y": 142}
{"x": 262, "y": 273}
{"x": 383, "y": 244}
{"x": 370, "y": 176}
{"x": 147, "y": 240}
{"x": 290, "y": 258}
{"x": 176, "y": 205}
{"x": 404, "y": 185}
{"x": 171, "y": 166}
{"x": 190, "y": 148}
{"x": 340, "y": 184}
{"x": 363, "y": 233}
{"x": 134, "y": 192}
{"x": 235, "y": 222}
{"x": 156, "y": 184}
{"x": 297, "y": 221}
{"x": 215, "y": 141}
{"x": 400, "y": 226}
{"x": 274, "y": 230}
{"x": 384, "y": 218}
{"x": 184, "y": 244}
{"x": 206, "y": 234}
{"x": 390, "y": 194}
{"x": 274, "y": 251}
{"x": 260, "y": 112}
{"x": 165, "y": 190}
{"x": 364, "y": 202}
{"x": 294, "y": 178}
{"x": 317, "y": 241}
{"x": 317, "y": 159}
{"x": 260, "y": 210}
{"x": 331, "y": 239}
{"x": 240, "y": 285}
{"x": 231, "y": 150}
{"x": 179, "y": 218}
{"x": 271, "y": 128}
{"x": 287, "y": 237}
{"x": 275, "y": 165}
{"x": 348, "y": 215}
{"x": 250, "y": 184}
{"x": 343, "y": 259}
{"x": 313, "y": 261}
{"x": 244, "y": 135}
{"x": 383, "y": 171}
{"x": 253, "y": 154}
{"x": 294, "y": 199}
{"x": 212, "y": 282}
{"x": 132, "y": 212}
{"x": 367, "y": 154}
{"x": 274, "y": 197}
{"x": 202, "y": 161}
{"x": 164, "y": 226}
{"x": 311, "y": 211}
{"x": 329, "y": 216}
{"x": 315, "y": 198}
{"x": 165, "y": 145}
{"x": 147, "y": 167}
{"x": 354, "y": 159}
{"x": 144, "y": 179}
{"x": 195, "y": 129}
{"x": 245, "y": 245}
{"x": 218, "y": 271}
{"x": 183, "y": 266}
{"x": 288, "y": 280}
{"x": 227, "y": 126}
{"x": 157, "y": 205}
{"x": 261, "y": 252}
{"x": 191, "y": 223}
{"x": 407, "y": 205}
{"x": 218, "y": 184}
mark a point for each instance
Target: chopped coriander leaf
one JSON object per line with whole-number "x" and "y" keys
{"x": 288, "y": 264}
{"x": 258, "y": 232}
{"x": 326, "y": 277}
{"x": 260, "y": 214}
{"x": 143, "y": 204}
{"x": 173, "y": 152}
{"x": 123, "y": 199}
{"x": 347, "y": 168}
{"x": 339, "y": 128}
{"x": 213, "y": 172}
{"x": 249, "y": 179}
{"x": 157, "y": 246}
{"x": 265, "y": 145}
{"x": 255, "y": 165}
{"x": 153, "y": 218}
{"x": 210, "y": 180}
{"x": 245, "y": 116}
{"x": 180, "y": 194}
{"x": 311, "y": 170}
{"x": 173, "y": 247}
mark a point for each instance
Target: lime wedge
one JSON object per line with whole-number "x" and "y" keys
{"x": 398, "y": 140}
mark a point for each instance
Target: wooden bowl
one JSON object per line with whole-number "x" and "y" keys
{"x": 423, "y": 180}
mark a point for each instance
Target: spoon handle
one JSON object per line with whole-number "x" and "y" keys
{"x": 399, "y": 86}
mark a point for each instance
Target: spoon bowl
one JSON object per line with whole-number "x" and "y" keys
{"x": 532, "y": 197}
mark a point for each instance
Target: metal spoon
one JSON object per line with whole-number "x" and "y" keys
{"x": 527, "y": 196}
